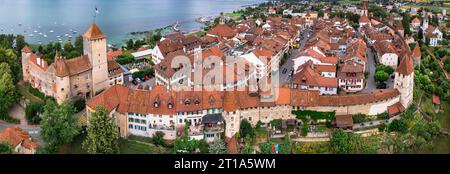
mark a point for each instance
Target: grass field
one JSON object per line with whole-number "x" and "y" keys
{"x": 24, "y": 92}
{"x": 125, "y": 146}
{"x": 444, "y": 114}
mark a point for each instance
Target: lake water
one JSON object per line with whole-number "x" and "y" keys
{"x": 37, "y": 18}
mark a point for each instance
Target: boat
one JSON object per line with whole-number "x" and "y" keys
{"x": 35, "y": 31}
{"x": 69, "y": 36}
{"x": 40, "y": 33}
{"x": 45, "y": 35}
{"x": 19, "y": 24}
{"x": 74, "y": 32}
{"x": 176, "y": 26}
{"x": 31, "y": 35}
{"x": 51, "y": 31}
{"x": 66, "y": 34}
{"x": 58, "y": 36}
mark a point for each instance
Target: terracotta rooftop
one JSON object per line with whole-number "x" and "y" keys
{"x": 406, "y": 66}
{"x": 16, "y": 136}
{"x": 26, "y": 49}
{"x": 223, "y": 31}
{"x": 94, "y": 32}
{"x": 436, "y": 100}
{"x": 344, "y": 121}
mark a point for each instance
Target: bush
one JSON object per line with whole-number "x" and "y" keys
{"x": 398, "y": 126}
{"x": 158, "y": 139}
{"x": 304, "y": 130}
{"x": 125, "y": 58}
{"x": 79, "y": 105}
{"x": 359, "y": 118}
{"x": 383, "y": 116}
{"x": 315, "y": 115}
{"x": 32, "y": 112}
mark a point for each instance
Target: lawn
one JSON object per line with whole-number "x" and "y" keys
{"x": 444, "y": 114}
{"x": 427, "y": 105}
{"x": 126, "y": 147}
{"x": 432, "y": 8}
{"x": 311, "y": 148}
{"x": 24, "y": 92}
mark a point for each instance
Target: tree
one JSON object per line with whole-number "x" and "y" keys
{"x": 6, "y": 148}
{"x": 266, "y": 148}
{"x": 341, "y": 142}
{"x": 130, "y": 44}
{"x": 248, "y": 148}
{"x": 8, "y": 56}
{"x": 398, "y": 126}
{"x": 68, "y": 47}
{"x": 158, "y": 138}
{"x": 32, "y": 112}
{"x": 381, "y": 76}
{"x": 58, "y": 124}
{"x": 246, "y": 129}
{"x": 183, "y": 145}
{"x": 320, "y": 14}
{"x": 102, "y": 134}
{"x": 79, "y": 43}
{"x": 7, "y": 90}
{"x": 217, "y": 147}
{"x": 20, "y": 43}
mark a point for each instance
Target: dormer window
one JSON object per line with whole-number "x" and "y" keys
{"x": 156, "y": 104}
{"x": 197, "y": 102}
{"x": 187, "y": 102}
{"x": 170, "y": 106}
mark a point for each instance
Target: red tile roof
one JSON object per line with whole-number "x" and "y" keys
{"x": 436, "y": 100}
{"x": 223, "y": 31}
{"x": 16, "y": 136}
{"x": 94, "y": 32}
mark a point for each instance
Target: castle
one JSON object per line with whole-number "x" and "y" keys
{"x": 76, "y": 78}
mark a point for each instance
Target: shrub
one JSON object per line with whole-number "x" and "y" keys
{"x": 79, "y": 105}
{"x": 158, "y": 139}
{"x": 32, "y": 112}
{"x": 359, "y": 118}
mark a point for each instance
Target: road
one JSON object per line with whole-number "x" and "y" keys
{"x": 289, "y": 64}
{"x": 370, "y": 85}
{"x": 18, "y": 112}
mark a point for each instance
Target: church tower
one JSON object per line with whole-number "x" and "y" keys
{"x": 94, "y": 46}
{"x": 404, "y": 81}
{"x": 364, "y": 11}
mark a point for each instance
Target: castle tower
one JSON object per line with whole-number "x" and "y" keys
{"x": 231, "y": 114}
{"x": 62, "y": 91}
{"x": 364, "y": 11}
{"x": 425, "y": 21}
{"x": 404, "y": 81}
{"x": 26, "y": 52}
{"x": 94, "y": 46}
{"x": 416, "y": 55}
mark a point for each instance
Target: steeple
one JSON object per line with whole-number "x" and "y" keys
{"x": 364, "y": 11}
{"x": 406, "y": 66}
{"x": 94, "y": 32}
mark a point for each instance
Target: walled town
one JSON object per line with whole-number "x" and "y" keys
{"x": 306, "y": 77}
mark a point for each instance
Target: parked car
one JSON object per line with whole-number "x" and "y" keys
{"x": 284, "y": 71}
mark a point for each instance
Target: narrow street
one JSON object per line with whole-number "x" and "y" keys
{"x": 18, "y": 112}
{"x": 288, "y": 66}
{"x": 370, "y": 85}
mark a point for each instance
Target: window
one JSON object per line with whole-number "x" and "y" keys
{"x": 130, "y": 126}
{"x": 181, "y": 121}
{"x": 62, "y": 89}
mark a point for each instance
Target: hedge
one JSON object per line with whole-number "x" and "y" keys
{"x": 314, "y": 115}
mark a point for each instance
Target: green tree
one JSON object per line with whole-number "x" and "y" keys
{"x": 381, "y": 76}
{"x": 266, "y": 148}
{"x": 58, "y": 124}
{"x": 158, "y": 138}
{"x": 246, "y": 129}
{"x": 7, "y": 90}
{"x": 217, "y": 147}
{"x": 102, "y": 134}
{"x": 32, "y": 110}
{"x": 79, "y": 43}
{"x": 68, "y": 47}
{"x": 183, "y": 145}
{"x": 248, "y": 148}
{"x": 341, "y": 142}
{"x": 20, "y": 43}
{"x": 398, "y": 126}
{"x": 130, "y": 44}
{"x": 6, "y": 148}
{"x": 8, "y": 56}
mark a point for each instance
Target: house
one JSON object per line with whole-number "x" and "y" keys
{"x": 20, "y": 140}
{"x": 343, "y": 121}
{"x": 416, "y": 55}
{"x": 434, "y": 35}
{"x": 315, "y": 55}
{"x": 112, "y": 55}
{"x": 436, "y": 102}
{"x": 351, "y": 76}
{"x": 386, "y": 53}
{"x": 223, "y": 31}
{"x": 309, "y": 78}
{"x": 395, "y": 109}
{"x": 415, "y": 24}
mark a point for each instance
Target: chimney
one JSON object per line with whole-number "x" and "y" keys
{"x": 38, "y": 61}
{"x": 42, "y": 63}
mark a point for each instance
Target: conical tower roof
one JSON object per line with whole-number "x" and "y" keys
{"x": 94, "y": 32}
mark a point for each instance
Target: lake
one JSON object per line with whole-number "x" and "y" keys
{"x": 52, "y": 20}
